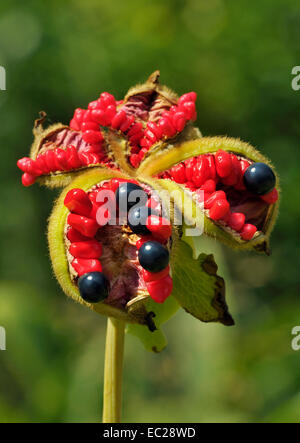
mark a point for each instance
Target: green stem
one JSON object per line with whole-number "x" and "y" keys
{"x": 113, "y": 369}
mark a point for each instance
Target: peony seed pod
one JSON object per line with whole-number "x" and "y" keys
{"x": 148, "y": 139}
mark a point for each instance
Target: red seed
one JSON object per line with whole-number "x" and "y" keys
{"x": 26, "y": 164}
{"x": 93, "y": 213}
{"x": 89, "y": 125}
{"x": 91, "y": 136}
{"x": 41, "y": 163}
{"x": 74, "y": 125}
{"x": 248, "y": 231}
{"x": 153, "y": 276}
{"x": 211, "y": 166}
{"x": 28, "y": 179}
{"x": 78, "y": 116}
{"x": 61, "y": 159}
{"x": 200, "y": 171}
{"x": 189, "y": 110}
{"x": 236, "y": 221}
{"x": 94, "y": 105}
{"x": 107, "y": 99}
{"x": 142, "y": 153}
{"x": 223, "y": 163}
{"x": 271, "y": 197}
{"x": 189, "y": 168}
{"x": 172, "y": 110}
{"x": 74, "y": 236}
{"x": 209, "y": 186}
{"x": 134, "y": 160}
{"x": 244, "y": 164}
{"x": 89, "y": 158}
{"x": 219, "y": 209}
{"x": 226, "y": 217}
{"x": 50, "y": 160}
{"x": 218, "y": 195}
{"x": 179, "y": 120}
{"x": 95, "y": 148}
{"x": 166, "y": 126}
{"x": 135, "y": 129}
{"x": 188, "y": 97}
{"x": 145, "y": 142}
{"x": 99, "y": 117}
{"x": 118, "y": 119}
{"x": 72, "y": 157}
{"x": 159, "y": 226}
{"x": 127, "y": 123}
{"x": 78, "y": 202}
{"x": 84, "y": 225}
{"x": 178, "y": 173}
{"x": 155, "y": 129}
{"x": 150, "y": 136}
{"x": 110, "y": 112}
{"x": 83, "y": 266}
{"x": 93, "y": 195}
{"x": 159, "y": 290}
{"x": 86, "y": 249}
{"x": 115, "y": 183}
{"x": 191, "y": 186}
{"x": 87, "y": 116}
{"x": 234, "y": 177}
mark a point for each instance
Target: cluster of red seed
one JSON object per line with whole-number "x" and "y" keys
{"x": 204, "y": 173}
{"x": 55, "y": 160}
{"x": 86, "y": 251}
{"x": 170, "y": 123}
{"x": 104, "y": 112}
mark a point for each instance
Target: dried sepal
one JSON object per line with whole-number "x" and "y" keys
{"x": 157, "y": 98}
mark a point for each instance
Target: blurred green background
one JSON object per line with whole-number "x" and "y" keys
{"x": 238, "y": 56}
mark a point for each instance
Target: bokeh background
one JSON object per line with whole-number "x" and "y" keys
{"x": 238, "y": 56}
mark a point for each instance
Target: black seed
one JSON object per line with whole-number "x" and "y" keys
{"x": 259, "y": 178}
{"x": 137, "y": 218}
{"x": 93, "y": 287}
{"x": 129, "y": 194}
{"x": 153, "y": 256}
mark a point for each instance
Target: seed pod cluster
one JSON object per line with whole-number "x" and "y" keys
{"x": 147, "y": 142}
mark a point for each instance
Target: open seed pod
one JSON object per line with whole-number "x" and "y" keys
{"x": 229, "y": 182}
{"x": 84, "y": 246}
{"x": 114, "y": 133}
{"x": 148, "y": 139}
{"x": 80, "y": 242}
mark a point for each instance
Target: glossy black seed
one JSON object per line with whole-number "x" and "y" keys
{"x": 137, "y": 218}
{"x": 153, "y": 256}
{"x": 129, "y": 194}
{"x": 93, "y": 287}
{"x": 259, "y": 178}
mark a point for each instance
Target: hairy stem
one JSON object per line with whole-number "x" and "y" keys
{"x": 113, "y": 368}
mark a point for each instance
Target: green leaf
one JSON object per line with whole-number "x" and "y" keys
{"x": 198, "y": 288}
